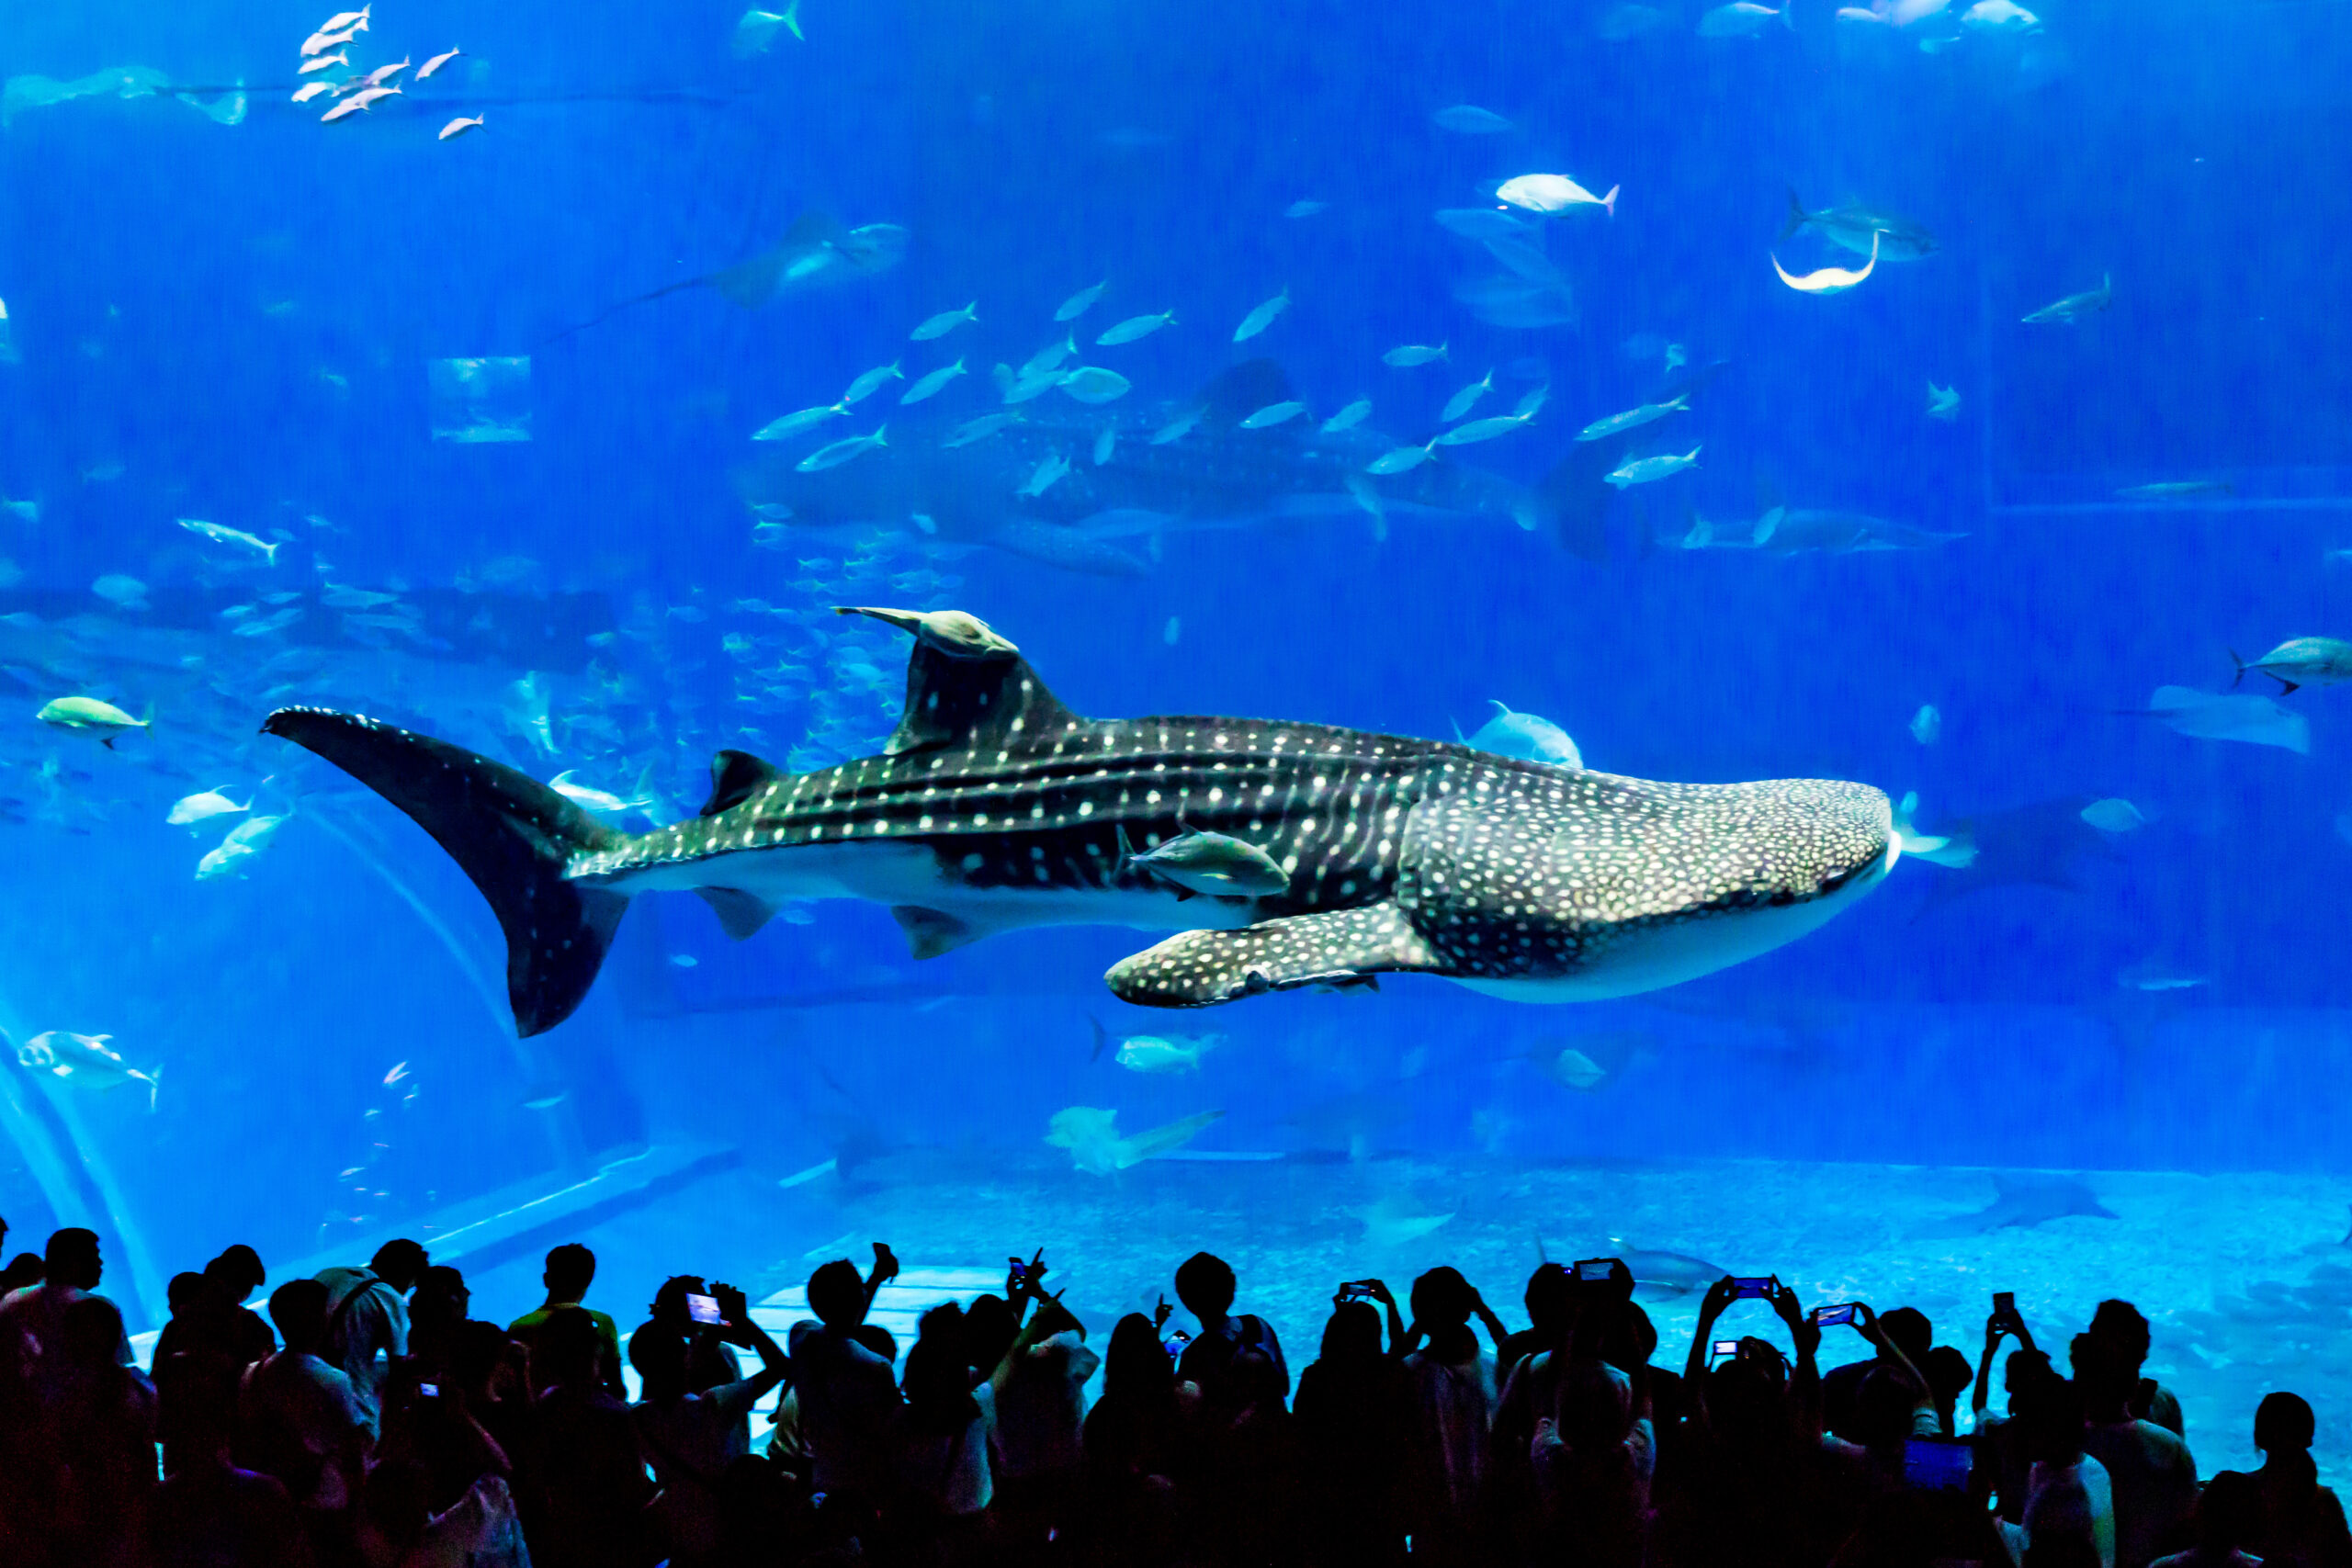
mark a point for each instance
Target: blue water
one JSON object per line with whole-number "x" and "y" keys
{"x": 235, "y": 323}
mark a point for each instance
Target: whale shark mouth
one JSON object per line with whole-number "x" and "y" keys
{"x": 993, "y": 806}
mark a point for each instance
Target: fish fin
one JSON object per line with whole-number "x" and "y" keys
{"x": 1102, "y": 1038}
{"x": 1798, "y": 217}
{"x": 154, "y": 1086}
{"x": 931, "y": 933}
{"x": 1502, "y": 709}
{"x": 513, "y": 837}
{"x": 792, "y": 20}
{"x": 2285, "y": 686}
{"x": 735, "y": 777}
{"x": 1610, "y": 203}
{"x": 954, "y": 701}
{"x": 740, "y": 914}
{"x": 1576, "y": 501}
{"x": 1338, "y": 947}
{"x": 107, "y": 742}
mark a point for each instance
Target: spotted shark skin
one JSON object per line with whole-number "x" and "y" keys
{"x": 994, "y": 806}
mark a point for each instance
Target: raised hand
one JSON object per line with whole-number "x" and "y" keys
{"x": 734, "y": 1312}
{"x": 1803, "y": 1330}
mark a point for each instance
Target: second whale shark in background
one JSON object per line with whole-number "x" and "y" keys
{"x": 1108, "y": 516}
{"x": 993, "y": 806}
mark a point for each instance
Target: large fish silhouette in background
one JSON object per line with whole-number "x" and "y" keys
{"x": 993, "y": 806}
{"x": 817, "y": 251}
{"x": 1108, "y": 517}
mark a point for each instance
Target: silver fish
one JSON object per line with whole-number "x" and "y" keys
{"x": 2074, "y": 307}
{"x": 841, "y": 452}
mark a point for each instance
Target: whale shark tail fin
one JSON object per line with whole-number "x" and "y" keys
{"x": 511, "y": 834}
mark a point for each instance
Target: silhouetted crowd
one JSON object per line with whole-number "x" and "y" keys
{"x": 371, "y": 1420}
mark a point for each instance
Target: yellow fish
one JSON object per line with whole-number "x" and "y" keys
{"x": 88, "y": 715}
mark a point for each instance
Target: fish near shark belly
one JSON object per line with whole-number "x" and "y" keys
{"x": 992, "y": 806}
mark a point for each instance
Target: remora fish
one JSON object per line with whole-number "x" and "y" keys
{"x": 993, "y": 806}
{"x": 2176, "y": 489}
{"x": 1196, "y": 475}
{"x": 1796, "y": 530}
{"x": 2074, "y": 307}
{"x": 1788, "y": 531}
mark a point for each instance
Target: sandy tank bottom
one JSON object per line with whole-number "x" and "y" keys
{"x": 2246, "y": 1279}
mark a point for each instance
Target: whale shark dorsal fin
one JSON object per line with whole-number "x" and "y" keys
{"x": 735, "y": 777}
{"x": 968, "y": 702}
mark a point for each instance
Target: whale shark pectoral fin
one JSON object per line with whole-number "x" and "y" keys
{"x": 931, "y": 933}
{"x": 740, "y": 914}
{"x": 1336, "y": 949}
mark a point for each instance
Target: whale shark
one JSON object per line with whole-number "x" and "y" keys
{"x": 993, "y": 806}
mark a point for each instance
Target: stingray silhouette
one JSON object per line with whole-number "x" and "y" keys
{"x": 2022, "y": 1202}
{"x": 816, "y": 249}
{"x": 2031, "y": 845}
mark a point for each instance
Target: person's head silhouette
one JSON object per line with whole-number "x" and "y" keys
{"x": 72, "y": 1259}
